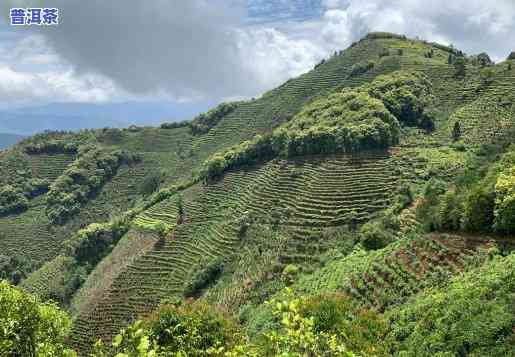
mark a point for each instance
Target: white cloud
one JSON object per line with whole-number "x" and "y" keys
{"x": 203, "y": 49}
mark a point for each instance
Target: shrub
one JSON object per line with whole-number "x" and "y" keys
{"x": 206, "y": 273}
{"x": 456, "y": 131}
{"x": 81, "y": 180}
{"x": 345, "y": 121}
{"x": 12, "y": 201}
{"x": 175, "y": 125}
{"x": 384, "y": 35}
{"x": 202, "y": 123}
{"x": 460, "y": 67}
{"x": 290, "y": 272}
{"x": 31, "y": 328}
{"x": 451, "y": 211}
{"x": 326, "y": 325}
{"x": 405, "y": 94}
{"x": 151, "y": 182}
{"x": 14, "y": 269}
{"x": 192, "y": 329}
{"x": 360, "y": 330}
{"x": 373, "y": 235}
{"x": 384, "y": 53}
{"x": 473, "y": 316}
{"x": 360, "y": 68}
{"x": 504, "y": 220}
{"x": 52, "y": 147}
{"x": 91, "y": 244}
{"x": 482, "y": 60}
{"x": 479, "y": 209}
{"x": 487, "y": 76}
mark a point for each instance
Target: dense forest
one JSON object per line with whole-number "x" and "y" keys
{"x": 364, "y": 208}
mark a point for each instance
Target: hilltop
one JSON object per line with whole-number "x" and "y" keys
{"x": 386, "y": 174}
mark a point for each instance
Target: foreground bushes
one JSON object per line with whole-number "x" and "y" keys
{"x": 190, "y": 329}
{"x": 30, "y": 328}
{"x": 474, "y": 316}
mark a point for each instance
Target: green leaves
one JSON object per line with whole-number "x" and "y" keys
{"x": 505, "y": 201}
{"x": 30, "y": 328}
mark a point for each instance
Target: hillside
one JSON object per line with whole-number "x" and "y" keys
{"x": 384, "y": 174}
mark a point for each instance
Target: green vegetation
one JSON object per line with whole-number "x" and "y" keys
{"x": 82, "y": 180}
{"x": 364, "y": 208}
{"x": 29, "y": 327}
{"x": 205, "y": 121}
{"x": 473, "y": 316}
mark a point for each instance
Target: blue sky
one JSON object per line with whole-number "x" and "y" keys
{"x": 201, "y": 52}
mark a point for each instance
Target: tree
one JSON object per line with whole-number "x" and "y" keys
{"x": 505, "y": 201}
{"x": 456, "y": 131}
{"x": 460, "y": 67}
{"x": 487, "y": 76}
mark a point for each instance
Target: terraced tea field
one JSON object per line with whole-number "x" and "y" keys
{"x": 305, "y": 193}
{"x": 49, "y": 167}
{"x": 389, "y": 277}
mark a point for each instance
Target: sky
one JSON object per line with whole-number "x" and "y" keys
{"x": 201, "y": 52}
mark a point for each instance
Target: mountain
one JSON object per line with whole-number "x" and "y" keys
{"x": 75, "y": 116}
{"x": 377, "y": 188}
{"x": 7, "y": 140}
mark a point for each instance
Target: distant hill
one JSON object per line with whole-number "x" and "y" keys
{"x": 7, "y": 140}
{"x": 75, "y": 116}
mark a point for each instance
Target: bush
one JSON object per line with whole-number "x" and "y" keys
{"x": 405, "y": 94}
{"x": 360, "y": 330}
{"x": 192, "y": 329}
{"x": 15, "y": 269}
{"x": 290, "y": 272}
{"x": 89, "y": 245}
{"x": 151, "y": 182}
{"x": 206, "y": 274}
{"x": 360, "y": 68}
{"x": 504, "y": 214}
{"x": 451, "y": 212}
{"x": 12, "y": 201}
{"x": 460, "y": 67}
{"x": 31, "y": 328}
{"x": 473, "y": 316}
{"x": 384, "y": 53}
{"x": 202, "y": 123}
{"x": 384, "y": 35}
{"x": 52, "y": 147}
{"x": 479, "y": 209}
{"x": 345, "y": 121}
{"x": 175, "y": 125}
{"x": 373, "y": 235}
{"x": 81, "y": 180}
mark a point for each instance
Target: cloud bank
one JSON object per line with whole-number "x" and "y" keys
{"x": 218, "y": 49}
